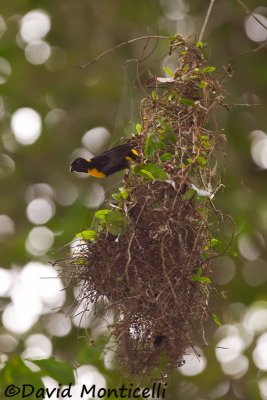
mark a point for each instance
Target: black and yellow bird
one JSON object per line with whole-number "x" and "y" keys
{"x": 106, "y": 163}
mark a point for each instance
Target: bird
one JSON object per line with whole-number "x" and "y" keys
{"x": 108, "y": 162}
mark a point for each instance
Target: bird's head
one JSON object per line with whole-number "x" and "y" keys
{"x": 79, "y": 165}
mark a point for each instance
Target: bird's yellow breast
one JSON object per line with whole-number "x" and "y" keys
{"x": 96, "y": 173}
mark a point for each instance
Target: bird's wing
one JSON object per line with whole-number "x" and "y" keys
{"x": 111, "y": 157}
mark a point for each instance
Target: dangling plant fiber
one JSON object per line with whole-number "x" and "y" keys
{"x": 149, "y": 252}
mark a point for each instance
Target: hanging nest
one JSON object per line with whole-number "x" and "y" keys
{"x": 148, "y": 254}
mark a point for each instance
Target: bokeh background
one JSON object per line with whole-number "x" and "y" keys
{"x": 52, "y": 111}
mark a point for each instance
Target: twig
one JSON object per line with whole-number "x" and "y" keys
{"x": 241, "y": 105}
{"x": 251, "y": 14}
{"x": 140, "y": 58}
{"x": 130, "y": 244}
{"x": 206, "y": 20}
{"x": 143, "y": 58}
{"x": 147, "y": 37}
{"x": 250, "y": 51}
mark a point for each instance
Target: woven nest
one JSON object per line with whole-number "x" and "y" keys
{"x": 151, "y": 259}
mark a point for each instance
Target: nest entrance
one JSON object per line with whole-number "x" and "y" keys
{"x": 151, "y": 258}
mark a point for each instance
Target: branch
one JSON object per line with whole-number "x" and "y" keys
{"x": 147, "y": 37}
{"x": 206, "y": 20}
{"x": 251, "y": 14}
{"x": 250, "y": 51}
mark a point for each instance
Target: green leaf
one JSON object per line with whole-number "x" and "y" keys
{"x": 214, "y": 242}
{"x": 116, "y": 196}
{"x": 202, "y": 160}
{"x": 189, "y": 194}
{"x": 87, "y": 235}
{"x": 216, "y": 319}
{"x": 201, "y": 279}
{"x": 205, "y": 255}
{"x": 101, "y": 214}
{"x": 169, "y": 72}
{"x": 164, "y": 125}
{"x": 206, "y": 144}
{"x": 169, "y": 137}
{"x": 92, "y": 354}
{"x": 138, "y": 128}
{"x": 116, "y": 222}
{"x": 15, "y": 372}
{"x": 154, "y": 95}
{"x": 153, "y": 143}
{"x": 61, "y": 372}
{"x": 150, "y": 171}
{"x": 202, "y": 84}
{"x": 199, "y": 271}
{"x": 187, "y": 102}
{"x": 171, "y": 96}
{"x": 124, "y": 193}
{"x": 166, "y": 156}
{"x": 208, "y": 69}
{"x": 148, "y": 174}
{"x": 150, "y": 146}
